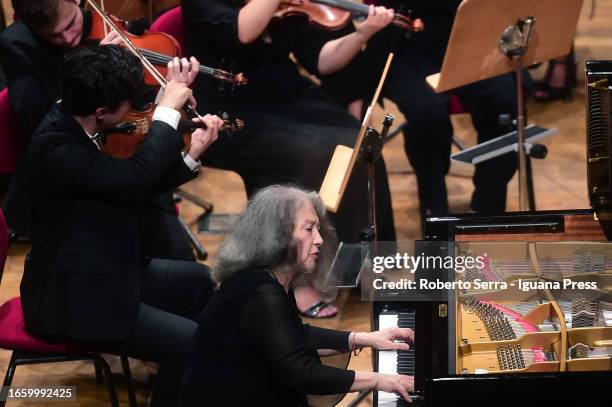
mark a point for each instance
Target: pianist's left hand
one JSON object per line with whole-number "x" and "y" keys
{"x": 387, "y": 339}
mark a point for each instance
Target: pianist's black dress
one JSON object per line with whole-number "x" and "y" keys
{"x": 252, "y": 349}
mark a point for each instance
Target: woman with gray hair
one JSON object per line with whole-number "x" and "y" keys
{"x": 251, "y": 345}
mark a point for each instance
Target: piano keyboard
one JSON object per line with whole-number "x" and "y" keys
{"x": 394, "y": 361}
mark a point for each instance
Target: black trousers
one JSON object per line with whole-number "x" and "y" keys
{"x": 293, "y": 142}
{"x": 161, "y": 233}
{"x": 173, "y": 293}
{"x": 427, "y": 138}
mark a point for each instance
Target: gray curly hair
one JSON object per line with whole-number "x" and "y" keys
{"x": 263, "y": 236}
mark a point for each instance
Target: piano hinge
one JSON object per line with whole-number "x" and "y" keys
{"x": 442, "y": 310}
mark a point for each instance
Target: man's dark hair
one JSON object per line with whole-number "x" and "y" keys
{"x": 37, "y": 14}
{"x": 100, "y": 76}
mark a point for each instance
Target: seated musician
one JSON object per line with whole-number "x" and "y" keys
{"x": 292, "y": 128}
{"x": 32, "y": 52}
{"x": 429, "y": 131}
{"x": 251, "y": 346}
{"x": 85, "y": 282}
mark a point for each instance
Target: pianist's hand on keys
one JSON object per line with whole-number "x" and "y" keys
{"x": 386, "y": 339}
{"x": 396, "y": 383}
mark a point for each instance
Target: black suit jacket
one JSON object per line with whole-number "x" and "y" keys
{"x": 33, "y": 70}
{"x": 82, "y": 279}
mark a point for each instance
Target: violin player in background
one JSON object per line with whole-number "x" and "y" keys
{"x": 292, "y": 128}
{"x": 85, "y": 282}
{"x": 251, "y": 346}
{"x": 32, "y": 52}
{"x": 429, "y": 131}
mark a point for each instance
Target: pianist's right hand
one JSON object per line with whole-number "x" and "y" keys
{"x": 396, "y": 383}
{"x": 390, "y": 383}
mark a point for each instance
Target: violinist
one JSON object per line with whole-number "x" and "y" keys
{"x": 33, "y": 51}
{"x": 85, "y": 282}
{"x": 292, "y": 127}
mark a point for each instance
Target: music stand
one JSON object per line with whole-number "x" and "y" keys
{"x": 344, "y": 158}
{"x": 506, "y": 40}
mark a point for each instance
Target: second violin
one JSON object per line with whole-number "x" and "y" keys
{"x": 334, "y": 14}
{"x": 159, "y": 48}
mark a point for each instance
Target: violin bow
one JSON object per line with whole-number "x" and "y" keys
{"x": 104, "y": 11}
{"x": 145, "y": 62}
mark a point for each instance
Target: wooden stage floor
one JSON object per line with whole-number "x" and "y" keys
{"x": 560, "y": 182}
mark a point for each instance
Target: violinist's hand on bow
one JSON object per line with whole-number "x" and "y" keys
{"x": 201, "y": 139}
{"x": 112, "y": 38}
{"x": 175, "y": 95}
{"x": 385, "y": 339}
{"x": 378, "y": 18}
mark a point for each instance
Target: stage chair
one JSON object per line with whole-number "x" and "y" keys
{"x": 170, "y": 22}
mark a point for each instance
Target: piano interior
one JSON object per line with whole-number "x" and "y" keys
{"x": 544, "y": 320}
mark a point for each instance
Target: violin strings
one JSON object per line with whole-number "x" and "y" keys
{"x": 162, "y": 59}
{"x": 346, "y": 5}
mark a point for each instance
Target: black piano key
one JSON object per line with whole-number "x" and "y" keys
{"x": 405, "y": 367}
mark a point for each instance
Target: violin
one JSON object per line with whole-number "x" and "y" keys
{"x": 123, "y": 140}
{"x": 136, "y": 125}
{"x": 334, "y": 14}
{"x": 159, "y": 48}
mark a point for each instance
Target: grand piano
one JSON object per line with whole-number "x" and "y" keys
{"x": 550, "y": 344}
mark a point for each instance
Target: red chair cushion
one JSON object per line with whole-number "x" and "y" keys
{"x": 3, "y": 242}
{"x": 12, "y": 143}
{"x": 171, "y": 22}
{"x": 13, "y": 335}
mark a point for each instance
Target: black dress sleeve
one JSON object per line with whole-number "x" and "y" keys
{"x": 273, "y": 328}
{"x": 322, "y": 338}
{"x": 26, "y": 93}
{"x": 216, "y": 19}
{"x": 308, "y": 44}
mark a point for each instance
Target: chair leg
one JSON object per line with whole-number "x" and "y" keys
{"x": 108, "y": 378}
{"x": 125, "y": 364}
{"x": 99, "y": 374}
{"x": 8, "y": 379}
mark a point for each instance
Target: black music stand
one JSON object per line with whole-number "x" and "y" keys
{"x": 507, "y": 143}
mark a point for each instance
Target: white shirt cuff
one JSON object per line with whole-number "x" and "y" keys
{"x": 190, "y": 162}
{"x": 167, "y": 115}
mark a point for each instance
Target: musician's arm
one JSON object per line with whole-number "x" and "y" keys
{"x": 269, "y": 323}
{"x": 254, "y": 18}
{"x": 27, "y": 96}
{"x": 327, "y": 342}
{"x": 335, "y": 54}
